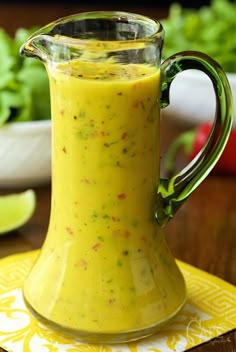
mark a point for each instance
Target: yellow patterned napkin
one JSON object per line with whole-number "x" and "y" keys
{"x": 209, "y": 312}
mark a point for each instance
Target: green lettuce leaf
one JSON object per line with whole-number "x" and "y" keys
{"x": 210, "y": 29}
{"x": 24, "y": 85}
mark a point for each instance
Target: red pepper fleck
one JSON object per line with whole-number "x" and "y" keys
{"x": 126, "y": 233}
{"x": 86, "y": 180}
{"x": 115, "y": 218}
{"x": 82, "y": 264}
{"x": 136, "y": 104}
{"x": 121, "y": 196}
{"x": 144, "y": 239}
{"x": 104, "y": 133}
{"x": 111, "y": 301}
{"x": 118, "y": 232}
{"x": 95, "y": 134}
{"x": 124, "y": 135}
{"x": 69, "y": 230}
{"x": 96, "y": 246}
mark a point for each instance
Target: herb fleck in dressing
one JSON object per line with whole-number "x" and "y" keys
{"x": 104, "y": 266}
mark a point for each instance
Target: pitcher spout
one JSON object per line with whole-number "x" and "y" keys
{"x": 46, "y": 45}
{"x": 33, "y": 48}
{"x": 43, "y": 47}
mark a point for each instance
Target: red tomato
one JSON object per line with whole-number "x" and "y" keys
{"x": 227, "y": 162}
{"x": 192, "y": 142}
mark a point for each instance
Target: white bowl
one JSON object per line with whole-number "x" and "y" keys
{"x": 25, "y": 154}
{"x": 192, "y": 98}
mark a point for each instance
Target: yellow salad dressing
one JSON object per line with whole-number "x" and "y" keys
{"x": 105, "y": 266}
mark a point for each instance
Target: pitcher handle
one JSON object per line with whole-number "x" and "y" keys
{"x": 172, "y": 192}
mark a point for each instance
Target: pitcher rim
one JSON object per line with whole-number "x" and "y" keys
{"x": 157, "y": 31}
{"x": 153, "y": 31}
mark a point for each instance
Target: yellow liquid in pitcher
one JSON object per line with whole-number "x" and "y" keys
{"x": 105, "y": 266}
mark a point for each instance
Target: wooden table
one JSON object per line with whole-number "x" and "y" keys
{"x": 203, "y": 231}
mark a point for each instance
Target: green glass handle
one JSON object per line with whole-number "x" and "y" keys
{"x": 172, "y": 192}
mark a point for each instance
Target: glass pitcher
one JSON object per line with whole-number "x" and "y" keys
{"x": 105, "y": 273}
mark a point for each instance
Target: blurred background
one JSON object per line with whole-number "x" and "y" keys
{"x": 189, "y": 3}
{"x": 14, "y": 13}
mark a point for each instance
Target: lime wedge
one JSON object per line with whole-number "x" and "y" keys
{"x": 16, "y": 209}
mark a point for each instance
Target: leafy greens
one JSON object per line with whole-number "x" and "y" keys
{"x": 210, "y": 29}
{"x": 24, "y": 86}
